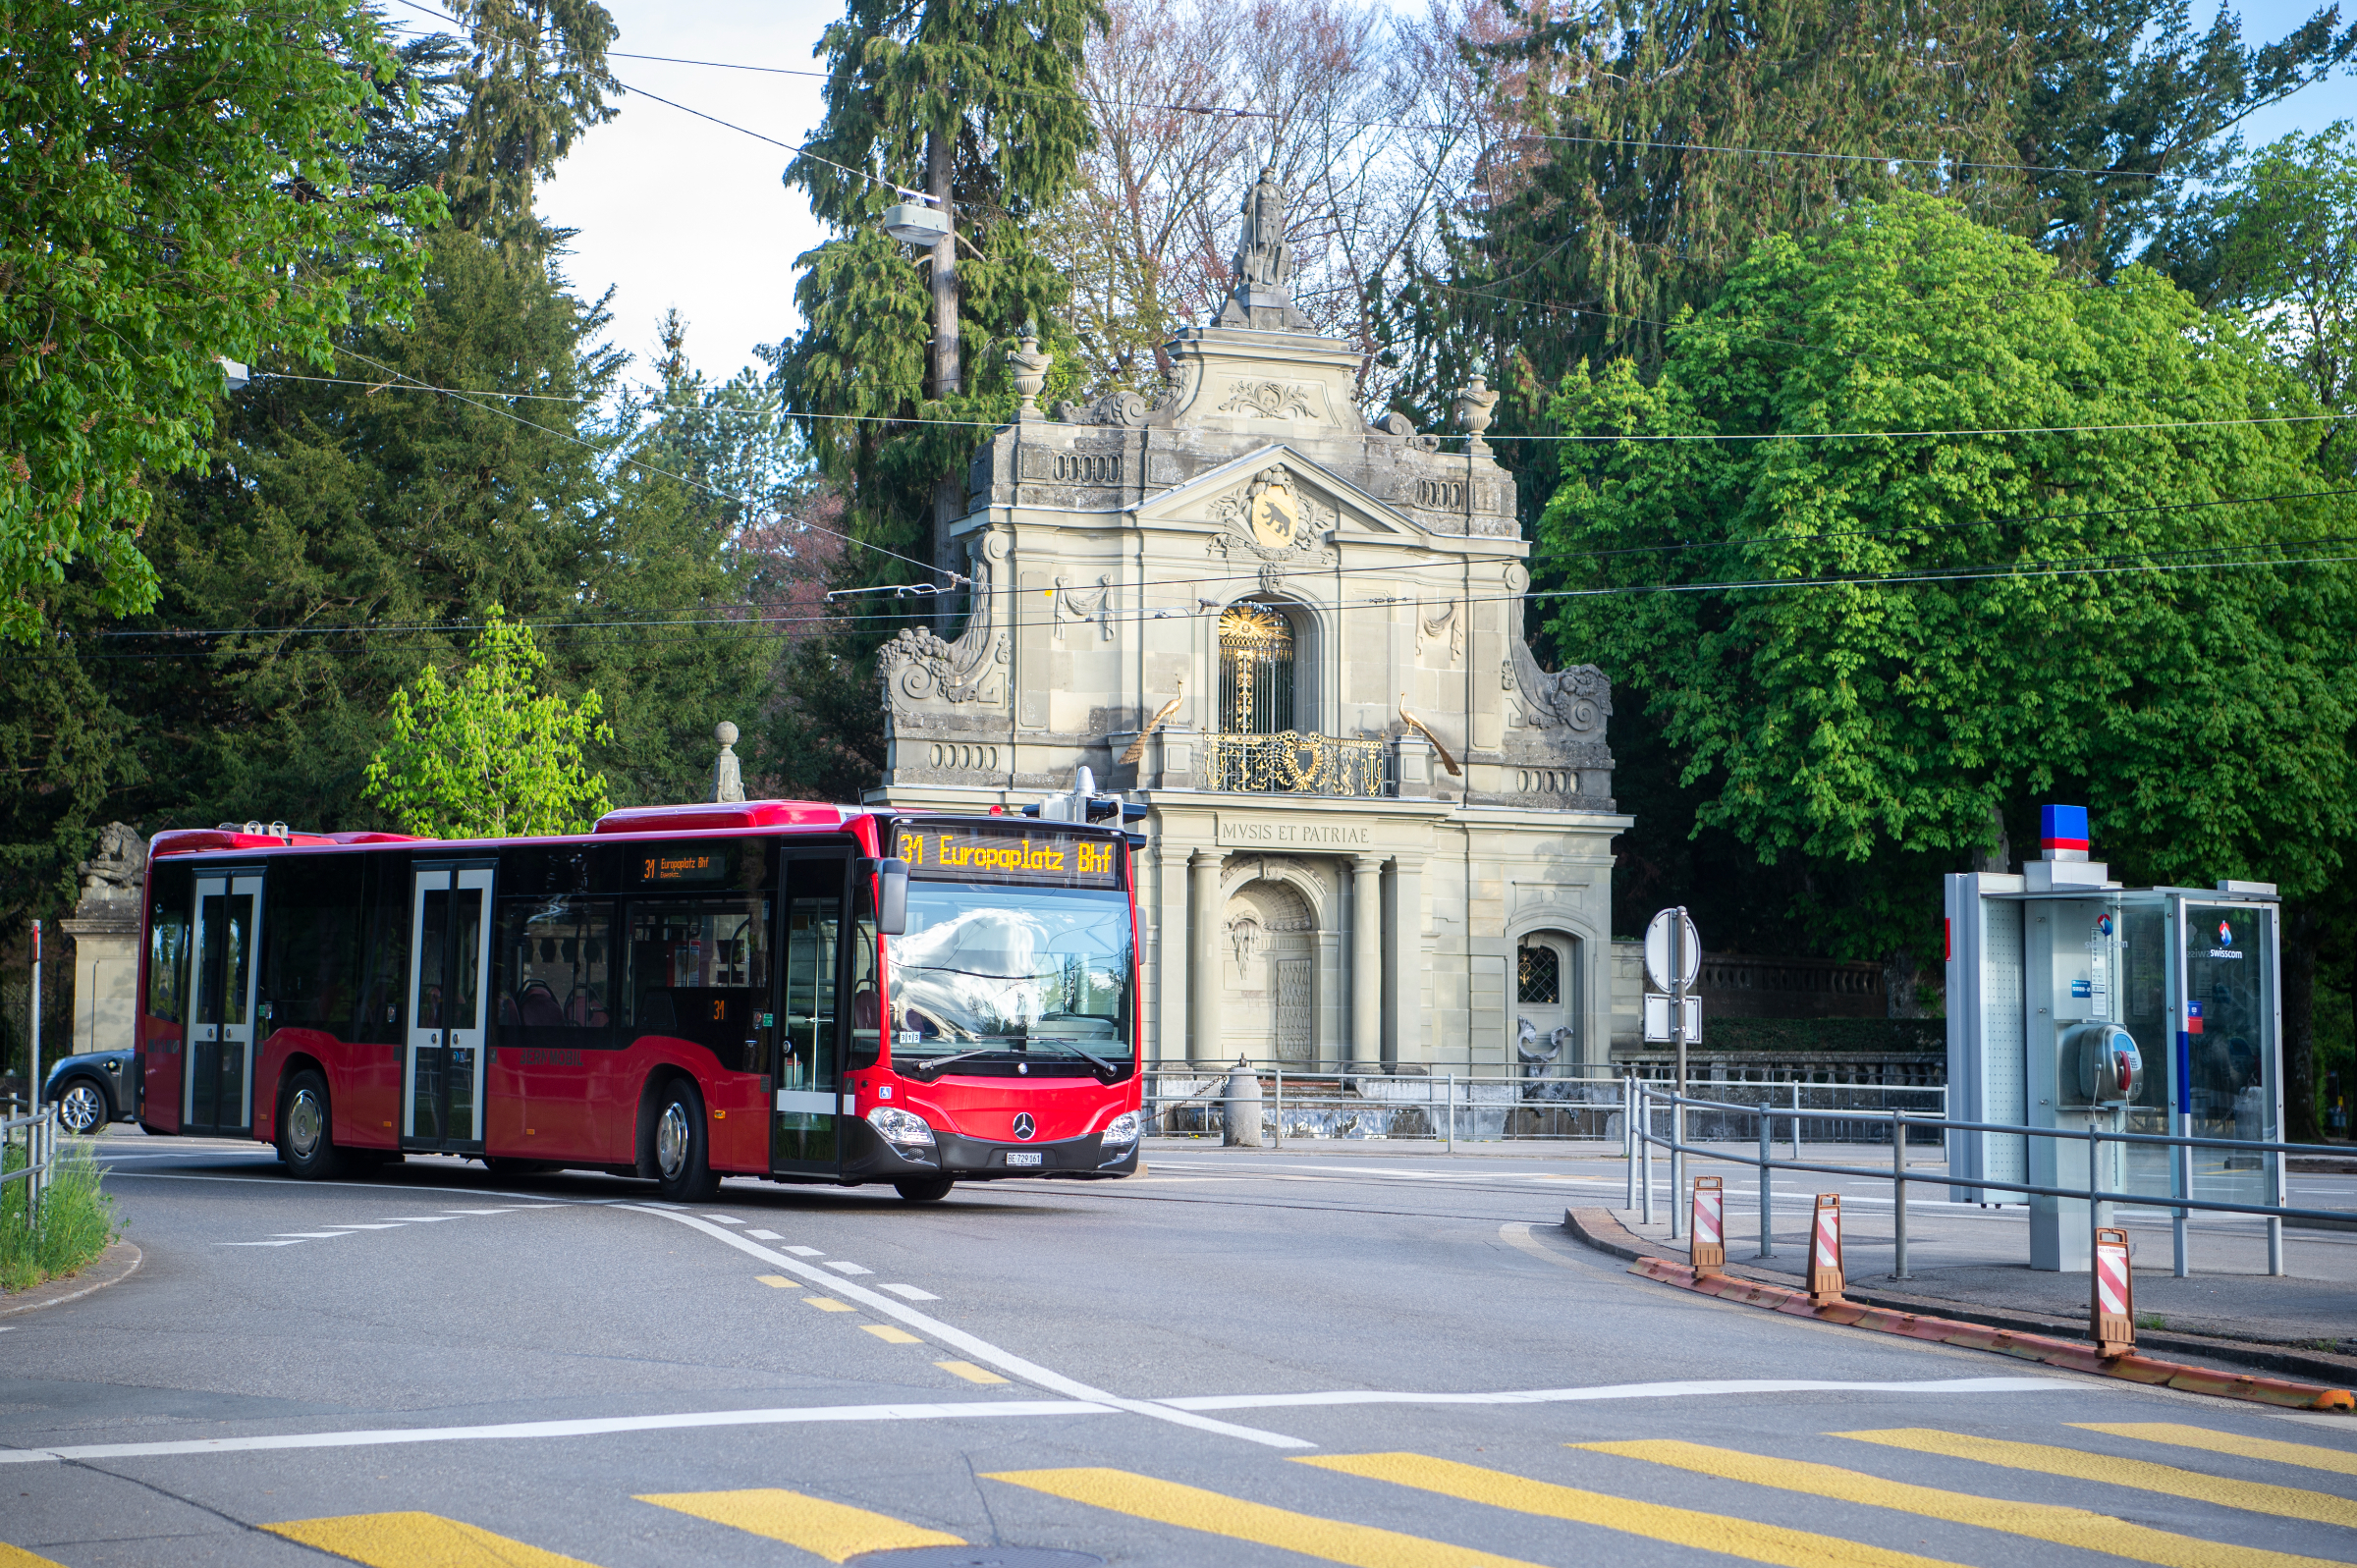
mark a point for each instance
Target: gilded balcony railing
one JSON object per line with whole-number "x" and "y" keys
{"x": 1291, "y": 763}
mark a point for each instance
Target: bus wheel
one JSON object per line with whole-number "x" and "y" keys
{"x": 304, "y": 1141}
{"x": 682, "y": 1165}
{"x": 924, "y": 1189}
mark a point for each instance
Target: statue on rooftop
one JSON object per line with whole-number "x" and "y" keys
{"x": 1263, "y": 264}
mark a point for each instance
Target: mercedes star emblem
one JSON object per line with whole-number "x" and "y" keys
{"x": 1023, "y": 1126}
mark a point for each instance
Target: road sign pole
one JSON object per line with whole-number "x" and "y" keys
{"x": 1677, "y": 1040}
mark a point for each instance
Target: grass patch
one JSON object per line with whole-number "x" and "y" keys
{"x": 2152, "y": 1320}
{"x": 77, "y": 1221}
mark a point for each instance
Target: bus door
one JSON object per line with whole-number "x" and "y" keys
{"x": 812, "y": 1015}
{"x": 215, "y": 1088}
{"x": 450, "y": 953}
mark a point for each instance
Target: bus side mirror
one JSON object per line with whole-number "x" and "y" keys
{"x": 892, "y": 897}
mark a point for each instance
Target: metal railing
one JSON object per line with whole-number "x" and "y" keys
{"x": 1441, "y": 1106}
{"x": 1290, "y": 762}
{"x": 1646, "y": 1105}
{"x": 1818, "y": 1113}
{"x": 36, "y": 1134}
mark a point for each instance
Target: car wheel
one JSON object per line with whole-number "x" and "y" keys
{"x": 305, "y": 1141}
{"x": 682, "y": 1163}
{"x": 924, "y": 1189}
{"x": 81, "y": 1108}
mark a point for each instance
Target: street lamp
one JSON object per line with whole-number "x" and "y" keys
{"x": 913, "y": 222}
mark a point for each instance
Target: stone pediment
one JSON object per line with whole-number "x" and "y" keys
{"x": 1276, "y": 505}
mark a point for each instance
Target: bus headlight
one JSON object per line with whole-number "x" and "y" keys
{"x": 1120, "y": 1130}
{"x": 904, "y": 1130}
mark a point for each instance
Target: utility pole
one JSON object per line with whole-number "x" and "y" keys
{"x": 949, "y": 493}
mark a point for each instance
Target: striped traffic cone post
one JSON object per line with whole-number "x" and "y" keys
{"x": 1824, "y": 1251}
{"x": 2112, "y": 1311}
{"x": 1708, "y": 1245}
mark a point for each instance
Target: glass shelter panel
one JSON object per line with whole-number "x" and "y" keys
{"x": 2229, "y": 1046}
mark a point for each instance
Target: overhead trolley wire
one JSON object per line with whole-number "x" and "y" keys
{"x": 635, "y": 463}
{"x": 2113, "y": 564}
{"x": 1230, "y": 111}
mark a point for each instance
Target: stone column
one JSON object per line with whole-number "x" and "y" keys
{"x": 1203, "y": 958}
{"x": 1404, "y": 963}
{"x": 1366, "y": 961}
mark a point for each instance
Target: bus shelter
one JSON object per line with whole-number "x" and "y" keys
{"x": 2074, "y": 1002}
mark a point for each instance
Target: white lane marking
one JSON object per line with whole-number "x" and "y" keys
{"x": 384, "y": 1225}
{"x": 1629, "y": 1390}
{"x": 907, "y": 1292}
{"x": 586, "y": 1427}
{"x": 377, "y": 1188}
{"x": 257, "y": 1243}
{"x": 980, "y": 1349}
{"x": 848, "y": 1268}
{"x": 724, "y": 1219}
{"x": 765, "y": 1235}
{"x": 1518, "y": 1234}
{"x": 420, "y": 1219}
{"x": 807, "y": 1252}
{"x": 310, "y": 1236}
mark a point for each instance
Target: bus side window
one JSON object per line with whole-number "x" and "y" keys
{"x": 556, "y": 967}
{"x": 385, "y": 974}
{"x": 867, "y": 1009}
{"x": 168, "y": 949}
{"x": 311, "y": 941}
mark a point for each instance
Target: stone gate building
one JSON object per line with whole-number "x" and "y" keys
{"x": 1378, "y": 832}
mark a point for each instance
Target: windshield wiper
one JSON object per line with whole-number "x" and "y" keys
{"x": 1103, "y": 1066}
{"x": 936, "y": 1063}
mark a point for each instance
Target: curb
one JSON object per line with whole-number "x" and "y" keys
{"x": 1595, "y": 1228}
{"x": 118, "y": 1263}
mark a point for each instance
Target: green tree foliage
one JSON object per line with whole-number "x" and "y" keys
{"x": 2112, "y": 615}
{"x": 995, "y": 79}
{"x": 1661, "y": 140}
{"x": 490, "y": 754}
{"x": 180, "y": 187}
{"x": 2278, "y": 241}
{"x": 534, "y": 79}
{"x": 2132, "y": 104}
{"x": 358, "y": 530}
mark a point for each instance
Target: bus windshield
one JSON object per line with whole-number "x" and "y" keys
{"x": 999, "y": 971}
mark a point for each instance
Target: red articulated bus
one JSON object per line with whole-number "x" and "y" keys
{"x": 775, "y": 989}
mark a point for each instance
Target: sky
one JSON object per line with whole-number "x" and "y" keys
{"x": 677, "y": 211}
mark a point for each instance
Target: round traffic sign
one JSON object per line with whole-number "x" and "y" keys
{"x": 1657, "y": 949}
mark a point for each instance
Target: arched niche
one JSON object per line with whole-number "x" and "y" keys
{"x": 1268, "y": 972}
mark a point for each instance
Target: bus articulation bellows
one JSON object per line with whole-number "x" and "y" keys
{"x": 775, "y": 989}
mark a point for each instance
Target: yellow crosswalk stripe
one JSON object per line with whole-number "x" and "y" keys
{"x": 2080, "y": 1465}
{"x": 829, "y": 1304}
{"x": 774, "y": 1282}
{"x": 2048, "y": 1522}
{"x": 2337, "y": 1460}
{"x": 891, "y": 1335}
{"x": 1192, "y": 1508}
{"x": 417, "y": 1540}
{"x": 969, "y": 1371}
{"x": 1683, "y": 1527}
{"x": 834, "y": 1530}
{"x": 19, "y": 1557}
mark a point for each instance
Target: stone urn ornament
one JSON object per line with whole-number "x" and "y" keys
{"x": 728, "y": 780}
{"x": 1030, "y": 369}
{"x": 1473, "y": 406}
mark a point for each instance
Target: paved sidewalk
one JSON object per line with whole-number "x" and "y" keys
{"x": 1979, "y": 1257}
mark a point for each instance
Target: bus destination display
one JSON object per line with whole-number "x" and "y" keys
{"x": 986, "y": 855}
{"x": 683, "y": 867}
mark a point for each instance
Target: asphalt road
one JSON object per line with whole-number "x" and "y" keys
{"x": 1235, "y": 1359}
